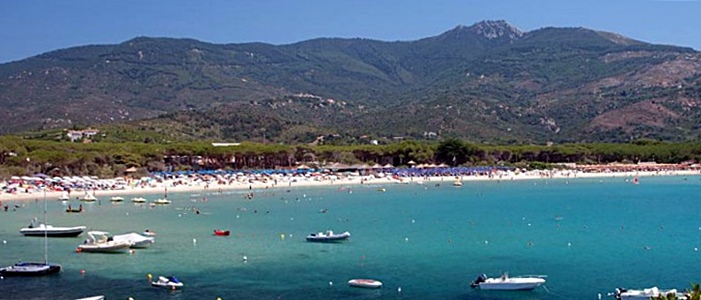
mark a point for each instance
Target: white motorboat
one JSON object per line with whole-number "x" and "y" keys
{"x": 365, "y": 283}
{"x": 117, "y": 199}
{"x": 650, "y": 293}
{"x": 328, "y": 236}
{"x": 64, "y": 197}
{"x": 169, "y": 282}
{"x": 161, "y": 201}
{"x": 100, "y": 241}
{"x": 51, "y": 231}
{"x": 138, "y": 200}
{"x": 89, "y": 198}
{"x": 137, "y": 240}
{"x": 508, "y": 283}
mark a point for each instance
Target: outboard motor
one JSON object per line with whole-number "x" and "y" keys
{"x": 478, "y": 280}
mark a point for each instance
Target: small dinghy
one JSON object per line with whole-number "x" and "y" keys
{"x": 220, "y": 232}
{"x": 365, "y": 283}
{"x": 169, "y": 282}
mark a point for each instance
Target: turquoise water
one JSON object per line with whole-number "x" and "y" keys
{"x": 587, "y": 235}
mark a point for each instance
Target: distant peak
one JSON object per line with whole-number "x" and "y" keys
{"x": 494, "y": 29}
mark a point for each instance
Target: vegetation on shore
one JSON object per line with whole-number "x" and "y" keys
{"x": 20, "y": 156}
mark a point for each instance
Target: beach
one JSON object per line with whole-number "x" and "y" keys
{"x": 195, "y": 184}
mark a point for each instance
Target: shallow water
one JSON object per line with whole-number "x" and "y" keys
{"x": 587, "y": 235}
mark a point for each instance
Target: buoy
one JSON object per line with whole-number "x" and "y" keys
{"x": 406, "y": 239}
{"x": 245, "y": 258}
{"x": 82, "y": 272}
{"x": 194, "y": 241}
{"x": 218, "y": 298}
{"x": 149, "y": 276}
{"x": 282, "y": 236}
{"x": 399, "y": 289}
{"x": 330, "y": 283}
{"x": 4, "y": 241}
{"x": 132, "y": 251}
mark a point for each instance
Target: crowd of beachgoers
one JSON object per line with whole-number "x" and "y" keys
{"x": 35, "y": 187}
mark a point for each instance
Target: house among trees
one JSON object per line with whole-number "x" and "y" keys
{"x": 75, "y": 135}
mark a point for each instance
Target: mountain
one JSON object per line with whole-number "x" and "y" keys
{"x": 489, "y": 82}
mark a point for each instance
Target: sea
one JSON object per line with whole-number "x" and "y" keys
{"x": 422, "y": 239}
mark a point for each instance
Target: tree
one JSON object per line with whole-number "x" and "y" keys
{"x": 452, "y": 151}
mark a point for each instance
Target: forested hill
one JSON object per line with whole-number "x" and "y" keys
{"x": 488, "y": 82}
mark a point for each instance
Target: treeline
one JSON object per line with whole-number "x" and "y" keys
{"x": 27, "y": 157}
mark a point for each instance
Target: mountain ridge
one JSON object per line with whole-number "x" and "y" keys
{"x": 504, "y": 85}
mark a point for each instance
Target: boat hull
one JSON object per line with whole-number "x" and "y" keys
{"x": 53, "y": 232}
{"x": 328, "y": 238}
{"x": 506, "y": 283}
{"x": 222, "y": 232}
{"x": 509, "y": 286}
{"x": 27, "y": 269}
{"x": 105, "y": 248}
{"x": 365, "y": 283}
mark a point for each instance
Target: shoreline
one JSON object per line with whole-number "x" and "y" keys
{"x": 195, "y": 185}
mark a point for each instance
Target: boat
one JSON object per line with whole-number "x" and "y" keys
{"x": 508, "y": 283}
{"x": 100, "y": 297}
{"x": 457, "y": 182}
{"x": 34, "y": 268}
{"x": 653, "y": 292}
{"x": 51, "y": 231}
{"x": 89, "y": 198}
{"x": 137, "y": 240}
{"x": 328, "y": 236}
{"x": 169, "y": 282}
{"x": 30, "y": 269}
{"x": 161, "y": 201}
{"x": 100, "y": 241}
{"x": 138, "y": 200}
{"x": 365, "y": 283}
{"x": 64, "y": 197}
{"x": 117, "y": 199}
{"x": 221, "y": 232}
{"x": 74, "y": 210}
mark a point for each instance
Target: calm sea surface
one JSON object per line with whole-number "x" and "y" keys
{"x": 588, "y": 236}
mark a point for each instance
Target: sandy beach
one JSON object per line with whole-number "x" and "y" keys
{"x": 197, "y": 185}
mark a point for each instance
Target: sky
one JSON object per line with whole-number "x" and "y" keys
{"x": 32, "y": 27}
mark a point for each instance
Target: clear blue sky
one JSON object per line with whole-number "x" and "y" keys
{"x": 31, "y": 27}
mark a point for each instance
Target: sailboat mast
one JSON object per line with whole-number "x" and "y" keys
{"x": 46, "y": 233}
